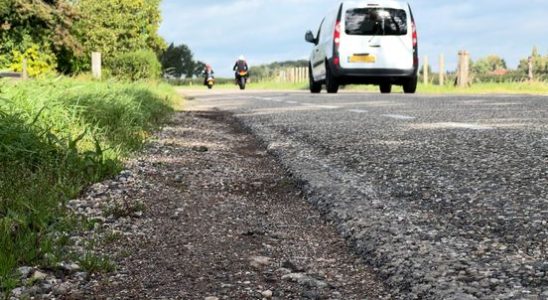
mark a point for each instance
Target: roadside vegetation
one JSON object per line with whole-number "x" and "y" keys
{"x": 56, "y": 137}
{"x": 61, "y": 130}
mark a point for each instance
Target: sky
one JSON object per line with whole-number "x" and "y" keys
{"x": 265, "y": 31}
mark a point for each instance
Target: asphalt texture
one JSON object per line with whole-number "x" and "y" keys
{"x": 446, "y": 197}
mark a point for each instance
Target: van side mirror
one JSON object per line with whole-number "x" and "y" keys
{"x": 309, "y": 37}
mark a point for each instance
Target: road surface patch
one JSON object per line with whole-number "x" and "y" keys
{"x": 399, "y": 117}
{"x": 452, "y": 125}
{"x": 360, "y": 111}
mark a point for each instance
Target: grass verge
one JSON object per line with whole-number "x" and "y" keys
{"x": 253, "y": 86}
{"x": 56, "y": 137}
{"x": 533, "y": 88}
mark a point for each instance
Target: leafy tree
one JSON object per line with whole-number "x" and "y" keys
{"x": 488, "y": 64}
{"x": 540, "y": 63}
{"x": 199, "y": 68}
{"x": 178, "y": 60}
{"x": 43, "y": 25}
{"x": 119, "y": 26}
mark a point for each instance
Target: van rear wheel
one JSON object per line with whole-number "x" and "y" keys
{"x": 386, "y": 88}
{"x": 410, "y": 85}
{"x": 315, "y": 87}
{"x": 331, "y": 83}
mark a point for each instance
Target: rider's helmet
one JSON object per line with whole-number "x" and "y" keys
{"x": 241, "y": 57}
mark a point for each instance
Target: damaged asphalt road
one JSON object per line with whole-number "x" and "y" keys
{"x": 218, "y": 219}
{"x": 445, "y": 196}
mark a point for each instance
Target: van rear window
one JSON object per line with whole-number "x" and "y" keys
{"x": 376, "y": 21}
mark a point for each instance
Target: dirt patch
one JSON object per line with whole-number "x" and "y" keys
{"x": 224, "y": 221}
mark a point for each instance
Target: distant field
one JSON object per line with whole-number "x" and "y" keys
{"x": 535, "y": 88}
{"x": 253, "y": 85}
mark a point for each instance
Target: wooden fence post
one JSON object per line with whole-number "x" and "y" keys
{"x": 24, "y": 69}
{"x": 96, "y": 65}
{"x": 425, "y": 70}
{"x": 468, "y": 81}
{"x": 464, "y": 69}
{"x": 530, "y": 67}
{"x": 442, "y": 70}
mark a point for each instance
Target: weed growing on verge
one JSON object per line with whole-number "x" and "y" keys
{"x": 93, "y": 263}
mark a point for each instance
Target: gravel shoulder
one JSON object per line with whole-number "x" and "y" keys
{"x": 208, "y": 213}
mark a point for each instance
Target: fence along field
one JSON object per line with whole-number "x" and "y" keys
{"x": 463, "y": 77}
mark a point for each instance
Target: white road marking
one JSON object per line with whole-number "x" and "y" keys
{"x": 399, "y": 117}
{"x": 360, "y": 111}
{"x": 320, "y": 105}
{"x": 466, "y": 126}
{"x": 328, "y": 106}
{"x": 449, "y": 125}
{"x": 269, "y": 99}
{"x": 296, "y": 102}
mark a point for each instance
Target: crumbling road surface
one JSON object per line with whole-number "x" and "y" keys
{"x": 220, "y": 220}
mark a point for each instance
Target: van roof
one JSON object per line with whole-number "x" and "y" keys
{"x": 381, "y": 3}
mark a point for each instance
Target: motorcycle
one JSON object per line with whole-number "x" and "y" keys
{"x": 241, "y": 79}
{"x": 210, "y": 81}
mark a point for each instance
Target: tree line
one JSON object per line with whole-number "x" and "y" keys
{"x": 58, "y": 36}
{"x": 492, "y": 63}
{"x": 493, "y": 68}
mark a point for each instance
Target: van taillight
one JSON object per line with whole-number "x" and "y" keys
{"x": 336, "y": 42}
{"x": 337, "y": 34}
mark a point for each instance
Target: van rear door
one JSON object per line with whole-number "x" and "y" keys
{"x": 376, "y": 36}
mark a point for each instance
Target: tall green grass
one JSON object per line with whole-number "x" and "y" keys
{"x": 56, "y": 137}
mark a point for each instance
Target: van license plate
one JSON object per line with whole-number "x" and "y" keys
{"x": 362, "y": 59}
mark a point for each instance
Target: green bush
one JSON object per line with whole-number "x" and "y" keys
{"x": 135, "y": 66}
{"x": 40, "y": 61}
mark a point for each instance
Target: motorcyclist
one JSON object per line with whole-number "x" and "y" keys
{"x": 208, "y": 72}
{"x": 239, "y": 66}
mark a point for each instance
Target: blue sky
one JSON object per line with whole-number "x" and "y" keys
{"x": 273, "y": 30}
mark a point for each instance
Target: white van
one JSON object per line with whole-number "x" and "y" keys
{"x": 365, "y": 42}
